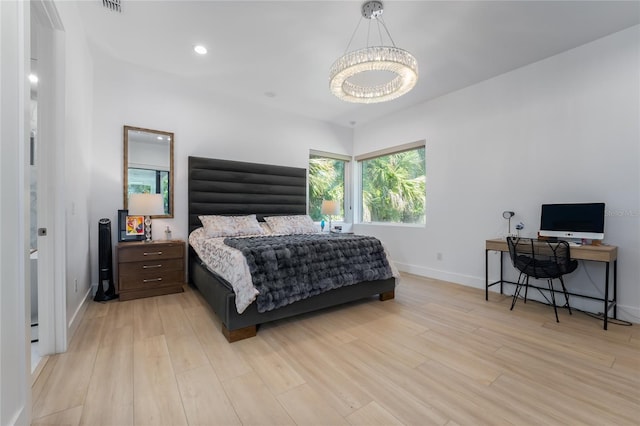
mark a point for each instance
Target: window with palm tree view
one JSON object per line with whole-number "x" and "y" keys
{"x": 326, "y": 182}
{"x": 393, "y": 187}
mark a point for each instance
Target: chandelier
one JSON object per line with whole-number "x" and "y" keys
{"x": 348, "y": 74}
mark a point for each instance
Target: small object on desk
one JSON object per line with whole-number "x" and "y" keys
{"x": 167, "y": 233}
{"x": 508, "y": 215}
{"x": 337, "y": 229}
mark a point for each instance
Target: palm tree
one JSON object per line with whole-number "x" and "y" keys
{"x": 394, "y": 188}
{"x": 326, "y": 182}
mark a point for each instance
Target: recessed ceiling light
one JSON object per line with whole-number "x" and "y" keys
{"x": 200, "y": 49}
{"x": 33, "y": 78}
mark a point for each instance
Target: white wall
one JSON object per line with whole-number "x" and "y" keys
{"x": 76, "y": 162}
{"x": 564, "y": 129}
{"x": 205, "y": 124}
{"x": 14, "y": 213}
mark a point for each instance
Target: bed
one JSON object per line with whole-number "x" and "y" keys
{"x": 223, "y": 187}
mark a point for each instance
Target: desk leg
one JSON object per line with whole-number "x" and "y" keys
{"x": 486, "y": 275}
{"x": 501, "y": 278}
{"x": 606, "y": 295}
{"x": 615, "y": 289}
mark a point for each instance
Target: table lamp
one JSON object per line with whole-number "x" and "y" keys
{"x": 331, "y": 208}
{"x": 508, "y": 215}
{"x": 146, "y": 205}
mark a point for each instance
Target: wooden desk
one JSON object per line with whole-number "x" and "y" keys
{"x": 605, "y": 253}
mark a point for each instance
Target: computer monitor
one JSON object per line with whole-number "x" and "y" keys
{"x": 583, "y": 220}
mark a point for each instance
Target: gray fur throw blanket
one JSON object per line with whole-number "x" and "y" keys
{"x": 288, "y": 268}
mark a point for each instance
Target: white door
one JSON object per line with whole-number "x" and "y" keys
{"x": 48, "y": 51}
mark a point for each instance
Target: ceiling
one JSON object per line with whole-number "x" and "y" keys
{"x": 278, "y": 53}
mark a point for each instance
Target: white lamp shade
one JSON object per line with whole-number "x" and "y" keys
{"x": 330, "y": 207}
{"x": 146, "y": 204}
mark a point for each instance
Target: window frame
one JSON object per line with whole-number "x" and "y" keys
{"x": 348, "y": 172}
{"x": 358, "y": 184}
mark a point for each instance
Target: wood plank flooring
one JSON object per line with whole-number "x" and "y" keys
{"x": 436, "y": 354}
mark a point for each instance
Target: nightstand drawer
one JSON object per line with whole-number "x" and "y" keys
{"x": 150, "y": 269}
{"x": 153, "y": 267}
{"x": 140, "y": 281}
{"x": 150, "y": 252}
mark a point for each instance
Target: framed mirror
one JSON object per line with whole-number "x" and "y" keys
{"x": 148, "y": 165}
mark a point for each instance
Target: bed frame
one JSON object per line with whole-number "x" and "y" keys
{"x": 235, "y": 188}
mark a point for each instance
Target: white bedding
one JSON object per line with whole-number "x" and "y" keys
{"x": 231, "y": 265}
{"x": 227, "y": 262}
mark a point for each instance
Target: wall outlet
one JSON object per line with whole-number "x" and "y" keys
{"x": 439, "y": 256}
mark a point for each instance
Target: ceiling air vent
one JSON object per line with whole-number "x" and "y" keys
{"x": 114, "y": 5}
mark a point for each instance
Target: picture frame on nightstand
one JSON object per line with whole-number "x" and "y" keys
{"x": 126, "y": 233}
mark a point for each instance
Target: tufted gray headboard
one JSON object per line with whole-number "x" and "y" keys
{"x": 227, "y": 187}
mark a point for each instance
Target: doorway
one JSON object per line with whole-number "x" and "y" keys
{"x": 48, "y": 308}
{"x": 36, "y": 357}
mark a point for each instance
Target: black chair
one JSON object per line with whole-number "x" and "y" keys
{"x": 541, "y": 259}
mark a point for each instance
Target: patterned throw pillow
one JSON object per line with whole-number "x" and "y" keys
{"x": 231, "y": 226}
{"x": 297, "y": 224}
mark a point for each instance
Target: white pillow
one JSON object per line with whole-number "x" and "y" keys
{"x": 297, "y": 224}
{"x": 230, "y": 226}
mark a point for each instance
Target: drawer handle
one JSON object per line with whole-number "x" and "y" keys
{"x": 154, "y": 252}
{"x": 151, "y": 266}
{"x": 155, "y": 279}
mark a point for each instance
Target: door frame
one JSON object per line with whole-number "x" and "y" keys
{"x": 51, "y": 209}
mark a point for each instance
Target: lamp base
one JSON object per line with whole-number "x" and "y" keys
{"x": 147, "y": 228}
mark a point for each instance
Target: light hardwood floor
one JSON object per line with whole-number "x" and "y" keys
{"x": 436, "y": 354}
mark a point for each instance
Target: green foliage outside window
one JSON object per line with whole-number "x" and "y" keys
{"x": 326, "y": 182}
{"x": 393, "y": 188}
{"x": 144, "y": 181}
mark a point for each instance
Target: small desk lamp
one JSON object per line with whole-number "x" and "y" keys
{"x": 146, "y": 205}
{"x": 508, "y": 215}
{"x": 331, "y": 208}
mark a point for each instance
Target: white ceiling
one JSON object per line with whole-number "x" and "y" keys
{"x": 261, "y": 48}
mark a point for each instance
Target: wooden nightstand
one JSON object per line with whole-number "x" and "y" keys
{"x": 150, "y": 269}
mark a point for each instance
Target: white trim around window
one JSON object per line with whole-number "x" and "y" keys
{"x": 348, "y": 173}
{"x": 392, "y": 150}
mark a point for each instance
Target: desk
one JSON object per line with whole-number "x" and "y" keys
{"x": 607, "y": 254}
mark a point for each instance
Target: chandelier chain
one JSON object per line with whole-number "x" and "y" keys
{"x": 353, "y": 35}
{"x": 387, "y": 31}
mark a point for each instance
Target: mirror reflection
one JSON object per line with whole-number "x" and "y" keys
{"x": 148, "y": 165}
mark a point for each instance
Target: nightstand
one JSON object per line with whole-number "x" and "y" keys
{"x": 150, "y": 269}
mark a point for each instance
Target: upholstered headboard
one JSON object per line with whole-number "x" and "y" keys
{"x": 234, "y": 188}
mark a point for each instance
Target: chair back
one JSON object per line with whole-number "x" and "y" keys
{"x": 541, "y": 258}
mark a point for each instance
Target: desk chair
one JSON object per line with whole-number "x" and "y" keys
{"x": 541, "y": 259}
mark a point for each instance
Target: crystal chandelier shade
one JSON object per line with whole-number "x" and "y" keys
{"x": 402, "y": 64}
{"x": 377, "y": 58}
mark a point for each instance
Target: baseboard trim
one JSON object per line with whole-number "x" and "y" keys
{"x": 629, "y": 313}
{"x": 467, "y": 280}
{"x": 72, "y": 326}
{"x": 38, "y": 370}
{"x": 625, "y": 313}
{"x": 21, "y": 417}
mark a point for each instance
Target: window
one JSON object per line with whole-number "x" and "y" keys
{"x": 392, "y": 185}
{"x": 328, "y": 175}
{"x": 141, "y": 181}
